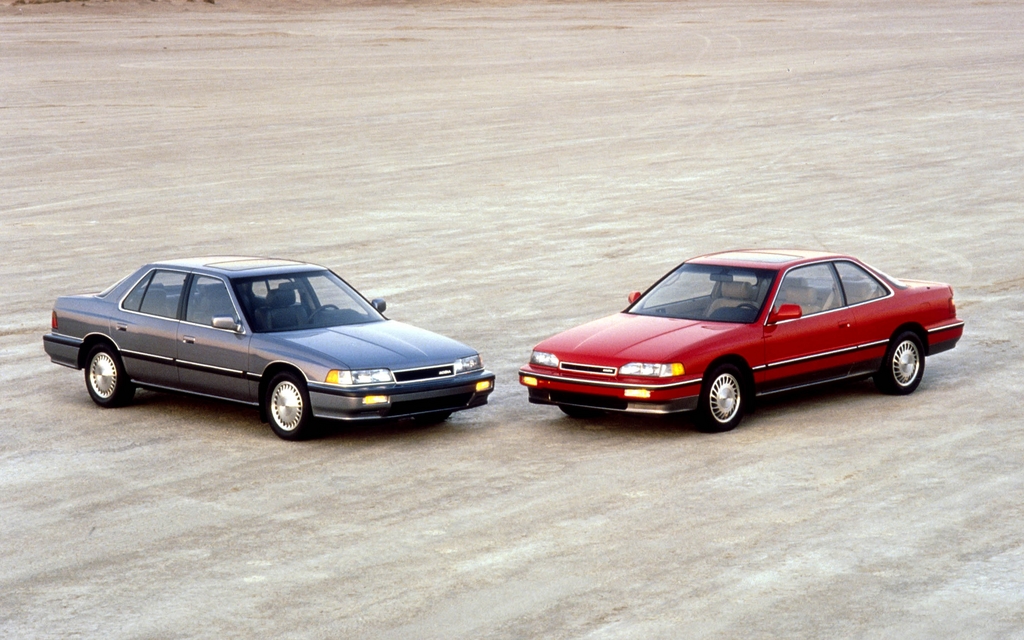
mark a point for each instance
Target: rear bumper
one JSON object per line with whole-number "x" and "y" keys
{"x": 944, "y": 338}
{"x": 466, "y": 392}
{"x": 607, "y": 396}
{"x": 63, "y": 350}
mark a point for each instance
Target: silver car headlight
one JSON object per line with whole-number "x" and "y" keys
{"x": 360, "y": 376}
{"x": 652, "y": 370}
{"x": 469, "y": 363}
{"x": 544, "y": 359}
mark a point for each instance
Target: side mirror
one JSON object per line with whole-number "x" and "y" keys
{"x": 634, "y": 296}
{"x": 225, "y": 322}
{"x": 379, "y": 304}
{"x": 785, "y": 312}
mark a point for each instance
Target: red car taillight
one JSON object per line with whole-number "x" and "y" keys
{"x": 53, "y": 320}
{"x": 952, "y": 305}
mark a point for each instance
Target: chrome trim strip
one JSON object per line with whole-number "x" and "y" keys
{"x": 160, "y": 387}
{"x": 815, "y": 356}
{"x": 64, "y": 339}
{"x": 617, "y": 385}
{"x": 146, "y": 356}
{"x": 876, "y": 343}
{"x": 955, "y": 325}
{"x": 210, "y": 367}
{"x": 812, "y": 384}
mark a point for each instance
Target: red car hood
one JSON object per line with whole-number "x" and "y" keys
{"x": 626, "y": 337}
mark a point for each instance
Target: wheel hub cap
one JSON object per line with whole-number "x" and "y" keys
{"x": 286, "y": 405}
{"x": 725, "y": 395}
{"x": 905, "y": 363}
{"x": 103, "y": 375}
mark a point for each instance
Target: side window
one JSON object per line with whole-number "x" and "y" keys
{"x": 859, "y": 285}
{"x": 134, "y": 299}
{"x": 207, "y": 299}
{"x": 162, "y": 295}
{"x": 813, "y": 288}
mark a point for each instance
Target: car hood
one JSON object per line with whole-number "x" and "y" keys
{"x": 627, "y": 337}
{"x": 389, "y": 344}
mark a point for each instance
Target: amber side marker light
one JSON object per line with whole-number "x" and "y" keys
{"x": 637, "y": 393}
{"x": 529, "y": 381}
{"x": 483, "y": 385}
{"x": 375, "y": 400}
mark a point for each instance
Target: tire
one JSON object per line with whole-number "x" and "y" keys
{"x": 105, "y": 378}
{"x": 903, "y": 365}
{"x": 722, "y": 401}
{"x": 428, "y": 419}
{"x": 288, "y": 409}
{"x": 580, "y": 413}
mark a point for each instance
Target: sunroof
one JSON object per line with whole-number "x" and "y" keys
{"x": 251, "y": 263}
{"x": 755, "y": 256}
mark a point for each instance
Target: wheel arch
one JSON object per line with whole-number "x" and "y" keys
{"x": 915, "y": 328}
{"x": 90, "y": 342}
{"x": 268, "y": 374}
{"x": 749, "y": 388}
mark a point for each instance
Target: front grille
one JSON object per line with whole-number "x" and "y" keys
{"x": 586, "y": 400}
{"x": 588, "y": 368}
{"x": 426, "y": 373}
{"x": 443, "y": 403}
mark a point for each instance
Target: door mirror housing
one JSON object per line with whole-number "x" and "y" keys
{"x": 634, "y": 296}
{"x": 379, "y": 304}
{"x": 225, "y": 322}
{"x": 785, "y": 312}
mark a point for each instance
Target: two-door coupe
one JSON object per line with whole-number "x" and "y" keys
{"x": 720, "y": 329}
{"x": 292, "y": 338}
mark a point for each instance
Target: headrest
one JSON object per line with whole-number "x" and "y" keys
{"x": 283, "y": 296}
{"x": 738, "y": 290}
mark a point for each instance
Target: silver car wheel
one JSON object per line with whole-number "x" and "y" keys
{"x": 905, "y": 363}
{"x": 103, "y": 375}
{"x": 286, "y": 406}
{"x": 725, "y": 397}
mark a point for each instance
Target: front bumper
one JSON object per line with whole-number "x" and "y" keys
{"x": 403, "y": 400}
{"x": 546, "y": 388}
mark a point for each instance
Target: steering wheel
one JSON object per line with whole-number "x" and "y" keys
{"x": 313, "y": 315}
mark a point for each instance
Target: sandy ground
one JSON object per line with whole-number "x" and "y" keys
{"x": 500, "y": 173}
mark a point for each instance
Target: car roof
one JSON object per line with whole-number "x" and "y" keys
{"x": 238, "y": 266}
{"x": 765, "y": 258}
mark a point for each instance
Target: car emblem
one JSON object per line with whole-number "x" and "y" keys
{"x": 444, "y": 372}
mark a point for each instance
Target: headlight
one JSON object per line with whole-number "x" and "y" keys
{"x": 647, "y": 369}
{"x": 544, "y": 359}
{"x": 360, "y": 376}
{"x": 468, "y": 363}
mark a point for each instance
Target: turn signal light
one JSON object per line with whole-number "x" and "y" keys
{"x": 375, "y": 400}
{"x": 637, "y": 393}
{"x": 529, "y": 381}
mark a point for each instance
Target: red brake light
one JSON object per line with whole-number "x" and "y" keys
{"x": 952, "y": 305}
{"x": 53, "y": 320}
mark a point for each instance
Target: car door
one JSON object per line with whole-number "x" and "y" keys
{"x": 821, "y": 344}
{"x": 874, "y": 318}
{"x": 212, "y": 360}
{"x": 145, "y": 328}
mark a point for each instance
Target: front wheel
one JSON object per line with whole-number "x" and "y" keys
{"x": 288, "y": 409}
{"x": 721, "y": 404}
{"x": 105, "y": 378}
{"x": 903, "y": 365}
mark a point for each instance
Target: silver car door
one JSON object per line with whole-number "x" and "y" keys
{"x": 145, "y": 328}
{"x": 212, "y": 360}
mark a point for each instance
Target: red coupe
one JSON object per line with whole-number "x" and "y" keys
{"x": 720, "y": 329}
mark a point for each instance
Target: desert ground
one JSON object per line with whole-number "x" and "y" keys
{"x": 499, "y": 172}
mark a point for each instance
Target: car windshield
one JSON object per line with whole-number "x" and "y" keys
{"x": 294, "y": 301}
{"x": 708, "y": 292}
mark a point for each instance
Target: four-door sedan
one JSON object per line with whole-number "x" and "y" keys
{"x": 291, "y": 338}
{"x": 720, "y": 329}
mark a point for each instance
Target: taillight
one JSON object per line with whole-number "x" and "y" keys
{"x": 952, "y": 305}
{"x": 53, "y": 320}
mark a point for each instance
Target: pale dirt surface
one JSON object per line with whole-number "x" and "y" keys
{"x": 500, "y": 172}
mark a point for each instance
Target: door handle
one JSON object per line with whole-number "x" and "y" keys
{"x": 121, "y": 326}
{"x": 844, "y": 325}
{"x": 188, "y": 340}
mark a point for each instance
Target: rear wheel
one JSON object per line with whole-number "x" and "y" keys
{"x": 721, "y": 404}
{"x": 903, "y": 365}
{"x": 288, "y": 409}
{"x": 105, "y": 378}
